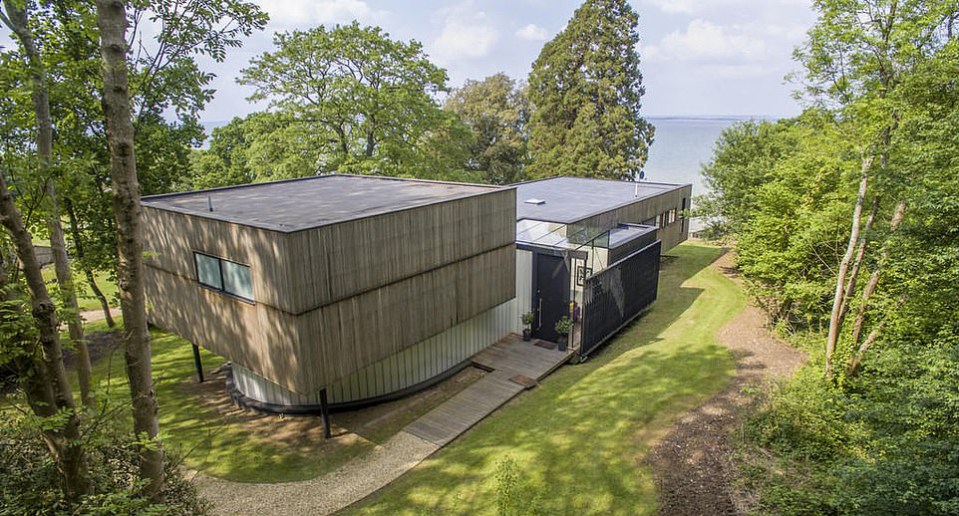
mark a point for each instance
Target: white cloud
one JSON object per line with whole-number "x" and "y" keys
{"x": 298, "y": 13}
{"x": 705, "y": 41}
{"x": 698, "y": 6}
{"x": 532, "y": 32}
{"x": 466, "y": 34}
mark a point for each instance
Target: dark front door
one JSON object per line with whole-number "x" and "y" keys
{"x": 551, "y": 298}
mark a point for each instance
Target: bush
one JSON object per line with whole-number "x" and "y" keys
{"x": 29, "y": 480}
{"x": 887, "y": 442}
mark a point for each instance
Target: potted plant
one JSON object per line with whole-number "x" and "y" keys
{"x": 563, "y": 327}
{"x": 527, "y": 319}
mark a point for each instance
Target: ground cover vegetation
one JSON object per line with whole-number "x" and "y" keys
{"x": 844, "y": 220}
{"x": 576, "y": 443}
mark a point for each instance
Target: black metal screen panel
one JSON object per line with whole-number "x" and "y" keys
{"x": 616, "y": 295}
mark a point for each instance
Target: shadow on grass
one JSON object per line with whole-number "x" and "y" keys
{"x": 578, "y": 440}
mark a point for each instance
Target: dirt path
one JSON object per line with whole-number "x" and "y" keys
{"x": 692, "y": 464}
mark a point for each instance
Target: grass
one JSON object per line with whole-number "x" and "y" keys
{"x": 85, "y": 298}
{"x": 576, "y": 444}
{"x": 210, "y": 436}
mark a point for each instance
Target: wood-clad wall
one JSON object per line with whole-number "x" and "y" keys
{"x": 259, "y": 335}
{"x": 416, "y": 364}
{"x": 330, "y": 263}
{"x": 344, "y": 337}
{"x": 643, "y": 210}
{"x": 332, "y": 300}
{"x": 171, "y": 238}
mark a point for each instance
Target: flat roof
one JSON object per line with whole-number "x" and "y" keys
{"x": 298, "y": 204}
{"x": 570, "y": 199}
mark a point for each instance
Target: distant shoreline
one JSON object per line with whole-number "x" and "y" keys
{"x": 213, "y": 124}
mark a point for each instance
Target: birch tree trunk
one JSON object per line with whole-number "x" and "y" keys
{"x": 835, "y": 321}
{"x": 16, "y": 19}
{"x": 112, "y": 20}
{"x": 45, "y": 381}
{"x": 897, "y": 216}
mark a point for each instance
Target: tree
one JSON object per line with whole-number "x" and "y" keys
{"x": 585, "y": 89}
{"x": 42, "y": 373}
{"x": 201, "y": 27}
{"x": 855, "y": 57}
{"x": 16, "y": 20}
{"x": 366, "y": 100}
{"x": 496, "y": 111}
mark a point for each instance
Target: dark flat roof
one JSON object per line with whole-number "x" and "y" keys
{"x": 571, "y": 199}
{"x": 297, "y": 204}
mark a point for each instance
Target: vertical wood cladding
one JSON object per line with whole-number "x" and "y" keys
{"x": 332, "y": 300}
{"x": 638, "y": 212}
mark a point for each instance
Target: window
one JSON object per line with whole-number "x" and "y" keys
{"x": 223, "y": 275}
{"x": 672, "y": 215}
{"x": 208, "y": 271}
{"x": 236, "y": 280}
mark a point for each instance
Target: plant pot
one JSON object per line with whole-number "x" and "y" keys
{"x": 527, "y": 334}
{"x": 563, "y": 340}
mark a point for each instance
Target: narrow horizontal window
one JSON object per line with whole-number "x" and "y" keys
{"x": 225, "y": 276}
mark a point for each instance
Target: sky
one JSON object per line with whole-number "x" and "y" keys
{"x": 699, "y": 57}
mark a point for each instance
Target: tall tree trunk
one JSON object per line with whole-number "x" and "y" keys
{"x": 897, "y": 216}
{"x": 17, "y": 21}
{"x": 91, "y": 279}
{"x": 857, "y": 264}
{"x": 112, "y": 20}
{"x": 45, "y": 385}
{"x": 835, "y": 322}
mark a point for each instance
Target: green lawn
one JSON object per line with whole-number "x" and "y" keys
{"x": 575, "y": 445}
{"x": 211, "y": 435}
{"x": 85, "y": 297}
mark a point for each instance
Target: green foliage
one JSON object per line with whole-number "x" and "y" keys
{"x": 29, "y": 481}
{"x": 357, "y": 101}
{"x": 528, "y": 318}
{"x": 564, "y": 325}
{"x": 782, "y": 190}
{"x": 496, "y": 110}
{"x": 585, "y": 90}
{"x": 514, "y": 496}
{"x": 882, "y": 439}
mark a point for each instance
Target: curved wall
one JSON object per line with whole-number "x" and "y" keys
{"x": 416, "y": 366}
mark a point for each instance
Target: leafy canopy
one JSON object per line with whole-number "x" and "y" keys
{"x": 367, "y": 101}
{"x": 585, "y": 88}
{"x": 496, "y": 110}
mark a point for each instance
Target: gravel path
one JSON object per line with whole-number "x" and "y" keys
{"x": 692, "y": 464}
{"x": 324, "y": 494}
{"x": 98, "y": 315}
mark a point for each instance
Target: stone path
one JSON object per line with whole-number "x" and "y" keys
{"x": 365, "y": 475}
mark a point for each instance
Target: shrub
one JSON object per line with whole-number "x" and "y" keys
{"x": 29, "y": 480}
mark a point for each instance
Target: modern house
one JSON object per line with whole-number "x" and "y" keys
{"x": 596, "y": 243}
{"x": 361, "y": 289}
